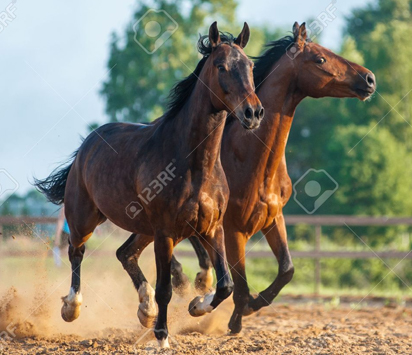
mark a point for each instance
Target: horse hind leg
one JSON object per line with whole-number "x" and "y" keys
{"x": 204, "y": 278}
{"x": 72, "y": 302}
{"x": 81, "y": 229}
{"x": 180, "y": 281}
{"x": 129, "y": 254}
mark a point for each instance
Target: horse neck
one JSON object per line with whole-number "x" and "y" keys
{"x": 198, "y": 130}
{"x": 279, "y": 97}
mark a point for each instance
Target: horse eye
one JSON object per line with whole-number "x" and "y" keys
{"x": 221, "y": 68}
{"x": 321, "y": 60}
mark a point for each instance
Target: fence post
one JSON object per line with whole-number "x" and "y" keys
{"x": 318, "y": 234}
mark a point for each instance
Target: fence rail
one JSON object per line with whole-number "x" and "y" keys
{"x": 317, "y": 221}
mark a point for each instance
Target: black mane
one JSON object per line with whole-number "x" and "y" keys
{"x": 182, "y": 90}
{"x": 263, "y": 63}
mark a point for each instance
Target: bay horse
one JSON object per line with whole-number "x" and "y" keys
{"x": 118, "y": 162}
{"x": 291, "y": 69}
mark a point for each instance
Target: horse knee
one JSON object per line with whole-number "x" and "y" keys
{"x": 163, "y": 294}
{"x": 76, "y": 252}
{"x": 120, "y": 255}
{"x": 225, "y": 290}
{"x": 287, "y": 274}
{"x": 241, "y": 295}
{"x": 77, "y": 240}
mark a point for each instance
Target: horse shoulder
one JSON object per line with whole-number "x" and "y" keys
{"x": 284, "y": 182}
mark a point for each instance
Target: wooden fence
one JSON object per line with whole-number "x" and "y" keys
{"x": 317, "y": 221}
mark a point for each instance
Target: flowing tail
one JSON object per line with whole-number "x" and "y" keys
{"x": 54, "y": 186}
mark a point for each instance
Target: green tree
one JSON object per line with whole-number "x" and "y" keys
{"x": 382, "y": 33}
{"x": 374, "y": 180}
{"x": 374, "y": 176}
{"x": 138, "y": 83}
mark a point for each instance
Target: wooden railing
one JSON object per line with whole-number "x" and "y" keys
{"x": 317, "y": 221}
{"x": 317, "y": 254}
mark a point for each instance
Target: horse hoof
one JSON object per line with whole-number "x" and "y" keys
{"x": 146, "y": 320}
{"x": 236, "y": 331}
{"x": 201, "y": 305}
{"x": 235, "y": 324}
{"x": 204, "y": 281}
{"x": 71, "y": 306}
{"x": 147, "y": 312}
{"x": 163, "y": 343}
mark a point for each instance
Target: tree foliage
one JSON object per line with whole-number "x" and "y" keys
{"x": 138, "y": 83}
{"x": 365, "y": 146}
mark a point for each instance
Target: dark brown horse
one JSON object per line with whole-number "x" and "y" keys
{"x": 121, "y": 172}
{"x": 291, "y": 69}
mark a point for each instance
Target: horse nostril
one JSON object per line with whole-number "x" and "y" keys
{"x": 370, "y": 79}
{"x": 260, "y": 113}
{"x": 248, "y": 113}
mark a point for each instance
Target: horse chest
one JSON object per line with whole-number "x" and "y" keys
{"x": 201, "y": 214}
{"x": 265, "y": 210}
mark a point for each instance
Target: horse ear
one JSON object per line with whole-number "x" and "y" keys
{"x": 299, "y": 33}
{"x": 302, "y": 32}
{"x": 295, "y": 30}
{"x": 243, "y": 37}
{"x": 214, "y": 36}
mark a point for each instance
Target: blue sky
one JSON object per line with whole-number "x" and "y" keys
{"x": 53, "y": 59}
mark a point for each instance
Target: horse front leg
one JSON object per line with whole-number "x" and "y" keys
{"x": 277, "y": 238}
{"x": 236, "y": 245}
{"x": 129, "y": 254}
{"x": 215, "y": 246}
{"x": 163, "y": 253}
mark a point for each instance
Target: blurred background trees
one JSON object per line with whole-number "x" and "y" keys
{"x": 365, "y": 146}
{"x": 139, "y": 83}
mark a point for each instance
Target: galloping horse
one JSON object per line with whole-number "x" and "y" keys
{"x": 118, "y": 162}
{"x": 291, "y": 69}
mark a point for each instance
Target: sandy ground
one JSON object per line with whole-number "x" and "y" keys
{"x": 30, "y": 322}
{"x": 279, "y": 329}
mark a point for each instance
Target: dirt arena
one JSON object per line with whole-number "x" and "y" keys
{"x": 281, "y": 329}
{"x": 30, "y": 321}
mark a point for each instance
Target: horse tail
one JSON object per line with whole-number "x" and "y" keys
{"x": 54, "y": 186}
